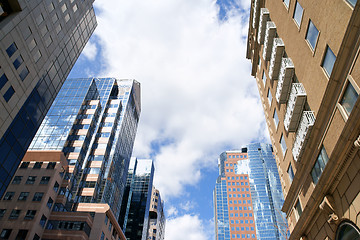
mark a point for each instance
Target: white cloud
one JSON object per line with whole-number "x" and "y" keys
{"x": 189, "y": 227}
{"x": 197, "y": 93}
{"x": 90, "y": 51}
{"x": 171, "y": 211}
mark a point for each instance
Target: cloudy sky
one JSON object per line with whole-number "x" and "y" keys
{"x": 198, "y": 98}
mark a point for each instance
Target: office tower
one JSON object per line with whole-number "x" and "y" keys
{"x": 93, "y": 122}
{"x": 33, "y": 205}
{"x": 247, "y": 195}
{"x": 157, "y": 217}
{"x": 305, "y": 58}
{"x": 134, "y": 217}
{"x": 40, "y": 42}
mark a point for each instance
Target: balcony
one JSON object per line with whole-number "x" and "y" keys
{"x": 255, "y": 13}
{"x": 264, "y": 17}
{"x": 303, "y": 133}
{"x": 269, "y": 39}
{"x": 275, "y": 60}
{"x": 295, "y": 106}
{"x": 285, "y": 77}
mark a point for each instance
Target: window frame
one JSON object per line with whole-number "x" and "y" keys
{"x": 313, "y": 48}
{"x": 298, "y": 24}
{"x": 345, "y": 114}
{"x": 328, "y": 74}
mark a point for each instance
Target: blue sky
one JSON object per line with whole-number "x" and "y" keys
{"x": 198, "y": 98}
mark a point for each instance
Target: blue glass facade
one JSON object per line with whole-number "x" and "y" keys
{"x": 249, "y": 179}
{"x": 94, "y": 122}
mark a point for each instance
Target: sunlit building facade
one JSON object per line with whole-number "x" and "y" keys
{"x": 248, "y": 196}
{"x": 305, "y": 59}
{"x": 157, "y": 217}
{"x": 40, "y": 42}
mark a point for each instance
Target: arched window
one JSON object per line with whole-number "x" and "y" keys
{"x": 347, "y": 231}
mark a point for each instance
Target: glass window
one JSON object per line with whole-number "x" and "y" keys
{"x": 349, "y": 98}
{"x": 14, "y": 214}
{"x": 43, "y": 220}
{"x": 37, "y": 165}
{"x": 56, "y": 187}
{"x": 31, "y": 180}
{"x": 276, "y": 118}
{"x": 286, "y": 2}
{"x": 352, "y": 2}
{"x": 22, "y": 234}
{"x": 2, "y": 212}
{"x": 298, "y": 210}
{"x": 17, "y": 180}
{"x": 23, "y": 196}
{"x": 38, "y": 196}
{"x": 269, "y": 96}
{"x": 283, "y": 144}
{"x": 30, "y": 214}
{"x": 45, "y": 180}
{"x": 9, "y": 195}
{"x": 18, "y": 61}
{"x": 23, "y": 74}
{"x": 3, "y": 80}
{"x": 329, "y": 60}
{"x": 9, "y": 93}
{"x": 11, "y": 49}
{"x": 264, "y": 77}
{"x": 51, "y": 165}
{"x": 24, "y": 165}
{"x": 291, "y": 173}
{"x": 5, "y": 233}
{"x": 312, "y": 34}
{"x": 50, "y": 202}
{"x": 298, "y": 12}
{"x": 320, "y": 164}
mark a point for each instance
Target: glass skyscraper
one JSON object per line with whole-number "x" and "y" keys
{"x": 248, "y": 196}
{"x": 40, "y": 42}
{"x": 93, "y": 121}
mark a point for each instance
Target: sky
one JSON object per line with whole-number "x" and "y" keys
{"x": 198, "y": 98}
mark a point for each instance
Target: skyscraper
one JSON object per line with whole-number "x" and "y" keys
{"x": 157, "y": 217}
{"x": 247, "y": 195}
{"x": 305, "y": 58}
{"x": 134, "y": 218}
{"x": 93, "y": 122}
{"x": 40, "y": 42}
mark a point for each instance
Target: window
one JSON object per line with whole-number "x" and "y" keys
{"x": 298, "y": 12}
{"x": 11, "y": 49}
{"x": 9, "y": 195}
{"x": 23, "y": 74}
{"x": 43, "y": 220}
{"x": 276, "y": 119}
{"x": 349, "y": 98}
{"x": 319, "y": 166}
{"x": 352, "y": 2}
{"x": 23, "y": 196}
{"x": 31, "y": 180}
{"x": 51, "y": 165}
{"x": 50, "y": 203}
{"x": 5, "y": 233}
{"x": 56, "y": 187}
{"x": 17, "y": 180}
{"x": 286, "y": 2}
{"x": 298, "y": 210}
{"x": 24, "y": 165}
{"x": 38, "y": 196}
{"x": 269, "y": 96}
{"x": 9, "y": 93}
{"x": 3, "y": 80}
{"x": 328, "y": 61}
{"x": 264, "y": 77}
{"x": 21, "y": 234}
{"x": 30, "y": 214}
{"x": 37, "y": 165}
{"x": 14, "y": 214}
{"x": 45, "y": 180}
{"x": 312, "y": 35}
{"x": 18, "y": 61}
{"x": 36, "y": 237}
{"x": 2, "y": 212}
{"x": 283, "y": 144}
{"x": 291, "y": 173}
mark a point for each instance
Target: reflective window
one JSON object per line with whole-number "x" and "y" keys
{"x": 298, "y": 210}
{"x": 23, "y": 196}
{"x": 298, "y": 12}
{"x": 23, "y": 74}
{"x": 11, "y": 49}
{"x": 264, "y": 77}
{"x": 283, "y": 144}
{"x": 31, "y": 180}
{"x": 9, "y": 195}
{"x": 329, "y": 60}
{"x": 9, "y": 93}
{"x": 312, "y": 34}
{"x": 17, "y": 180}
{"x": 5, "y": 233}
{"x": 30, "y": 214}
{"x": 3, "y": 80}
{"x": 352, "y": 2}
{"x": 286, "y": 2}
{"x": 276, "y": 119}
{"x": 349, "y": 98}
{"x": 38, "y": 196}
{"x": 45, "y": 180}
{"x": 37, "y": 165}
{"x": 291, "y": 173}
{"x": 269, "y": 96}
{"x": 319, "y": 166}
{"x": 14, "y": 214}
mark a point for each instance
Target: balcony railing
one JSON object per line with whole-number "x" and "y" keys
{"x": 269, "y": 38}
{"x": 264, "y": 17}
{"x": 275, "y": 60}
{"x": 303, "y": 133}
{"x": 255, "y": 13}
{"x": 295, "y": 106}
{"x": 285, "y": 77}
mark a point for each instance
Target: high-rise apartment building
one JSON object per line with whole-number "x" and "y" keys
{"x": 305, "y": 58}
{"x": 40, "y": 42}
{"x": 157, "y": 217}
{"x": 248, "y": 196}
{"x": 93, "y": 122}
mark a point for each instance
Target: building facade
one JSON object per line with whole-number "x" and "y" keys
{"x": 93, "y": 122}
{"x": 248, "y": 196}
{"x": 40, "y": 41}
{"x": 305, "y": 58}
{"x": 157, "y": 217}
{"x": 134, "y": 218}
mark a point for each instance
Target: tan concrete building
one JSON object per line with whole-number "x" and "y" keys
{"x": 157, "y": 217}
{"x": 36, "y": 204}
{"x": 305, "y": 58}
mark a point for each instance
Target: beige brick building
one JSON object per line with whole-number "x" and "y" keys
{"x": 305, "y": 58}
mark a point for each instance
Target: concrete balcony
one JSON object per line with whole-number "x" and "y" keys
{"x": 275, "y": 60}
{"x": 264, "y": 17}
{"x": 302, "y": 134}
{"x": 269, "y": 39}
{"x": 255, "y": 13}
{"x": 285, "y": 78}
{"x": 295, "y": 106}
